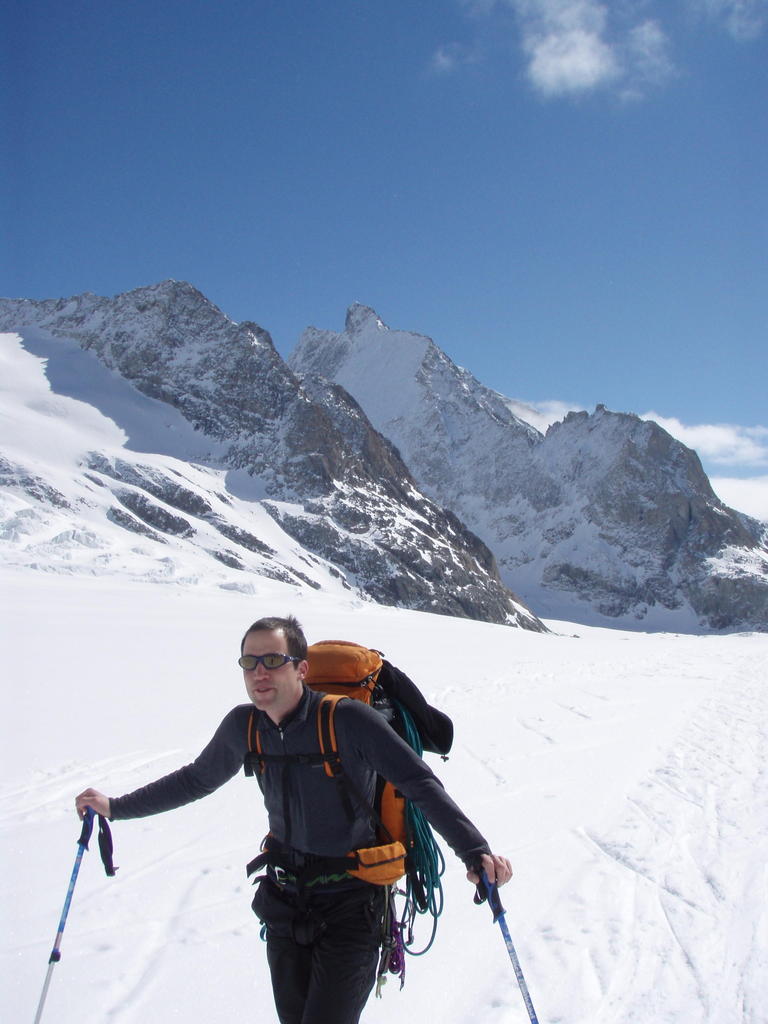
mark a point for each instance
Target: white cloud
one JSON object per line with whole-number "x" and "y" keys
{"x": 569, "y": 62}
{"x": 574, "y": 47}
{"x": 647, "y": 51}
{"x": 566, "y": 44}
{"x": 578, "y": 46}
{"x": 542, "y": 415}
{"x": 449, "y": 57}
{"x": 748, "y": 495}
{"x": 743, "y": 19}
{"x": 723, "y": 443}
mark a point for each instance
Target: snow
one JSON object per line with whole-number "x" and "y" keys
{"x": 360, "y": 358}
{"x": 622, "y": 772}
{"x": 147, "y": 425}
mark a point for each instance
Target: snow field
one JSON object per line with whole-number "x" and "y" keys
{"x": 622, "y": 773}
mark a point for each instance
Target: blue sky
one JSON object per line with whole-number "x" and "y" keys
{"x": 569, "y": 196}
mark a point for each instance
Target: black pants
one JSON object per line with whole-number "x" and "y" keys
{"x": 322, "y": 951}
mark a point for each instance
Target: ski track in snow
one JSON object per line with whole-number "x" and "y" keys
{"x": 685, "y": 871}
{"x": 52, "y": 790}
{"x": 147, "y": 956}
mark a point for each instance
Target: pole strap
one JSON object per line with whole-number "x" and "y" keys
{"x": 106, "y": 846}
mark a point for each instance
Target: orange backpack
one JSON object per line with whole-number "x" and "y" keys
{"x": 340, "y": 668}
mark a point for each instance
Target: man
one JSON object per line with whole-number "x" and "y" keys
{"x": 322, "y": 938}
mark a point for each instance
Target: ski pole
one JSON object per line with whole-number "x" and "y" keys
{"x": 499, "y": 914}
{"x": 105, "y": 846}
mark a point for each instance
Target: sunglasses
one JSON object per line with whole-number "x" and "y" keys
{"x": 270, "y": 661}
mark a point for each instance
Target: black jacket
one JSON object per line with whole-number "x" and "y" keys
{"x": 304, "y": 806}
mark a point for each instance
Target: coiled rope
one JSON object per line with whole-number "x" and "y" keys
{"x": 426, "y": 863}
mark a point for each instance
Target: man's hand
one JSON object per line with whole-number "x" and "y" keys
{"x": 498, "y": 869}
{"x": 93, "y": 799}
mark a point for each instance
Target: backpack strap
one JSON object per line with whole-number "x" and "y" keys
{"x": 334, "y": 769}
{"x": 254, "y": 760}
{"x": 329, "y": 750}
{"x": 326, "y": 734}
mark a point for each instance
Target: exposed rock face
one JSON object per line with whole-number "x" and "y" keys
{"x": 606, "y": 512}
{"x": 332, "y": 482}
{"x": 439, "y": 547}
{"x": 642, "y": 528}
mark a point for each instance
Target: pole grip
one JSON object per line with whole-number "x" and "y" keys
{"x": 87, "y": 829}
{"x": 494, "y": 900}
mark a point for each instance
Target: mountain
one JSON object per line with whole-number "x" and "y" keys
{"x": 606, "y": 514}
{"x": 239, "y": 460}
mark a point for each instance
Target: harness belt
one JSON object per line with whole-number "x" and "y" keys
{"x": 293, "y": 869}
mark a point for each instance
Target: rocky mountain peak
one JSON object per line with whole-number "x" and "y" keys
{"x": 607, "y": 512}
{"x": 360, "y": 317}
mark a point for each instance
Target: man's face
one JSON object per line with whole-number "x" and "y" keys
{"x": 276, "y": 691}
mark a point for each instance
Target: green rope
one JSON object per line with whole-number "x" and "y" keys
{"x": 426, "y": 864}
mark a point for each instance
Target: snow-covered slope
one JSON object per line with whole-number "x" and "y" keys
{"x": 75, "y": 499}
{"x": 623, "y": 774}
{"x": 184, "y": 382}
{"x": 605, "y": 516}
